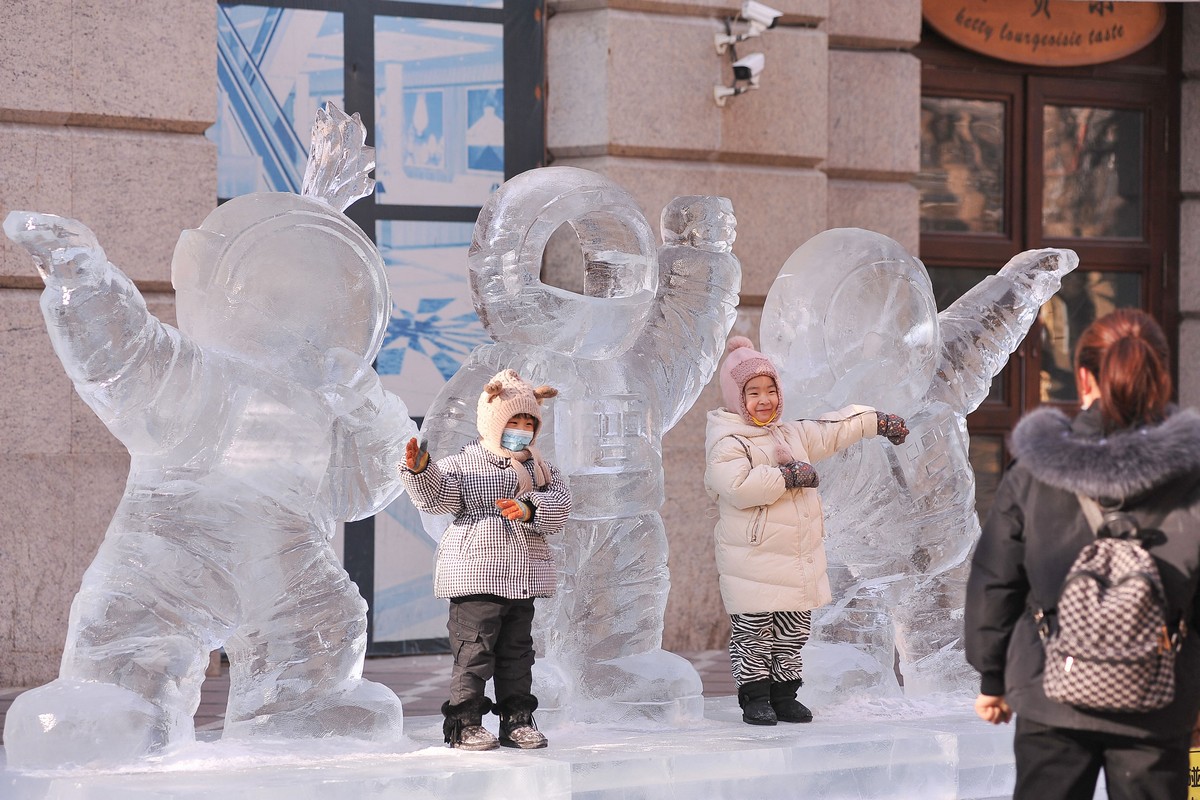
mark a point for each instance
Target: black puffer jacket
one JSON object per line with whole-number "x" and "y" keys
{"x": 1035, "y": 530}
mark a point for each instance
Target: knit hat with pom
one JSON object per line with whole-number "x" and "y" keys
{"x": 743, "y": 362}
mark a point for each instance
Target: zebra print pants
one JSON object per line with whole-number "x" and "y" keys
{"x": 766, "y": 645}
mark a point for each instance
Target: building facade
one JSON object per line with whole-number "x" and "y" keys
{"x": 862, "y": 118}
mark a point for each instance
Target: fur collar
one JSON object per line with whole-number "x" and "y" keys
{"x": 1120, "y": 465}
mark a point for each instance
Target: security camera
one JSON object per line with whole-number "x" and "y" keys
{"x": 760, "y": 15}
{"x": 745, "y": 77}
{"x": 749, "y": 67}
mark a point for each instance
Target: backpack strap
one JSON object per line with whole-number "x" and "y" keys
{"x": 1091, "y": 511}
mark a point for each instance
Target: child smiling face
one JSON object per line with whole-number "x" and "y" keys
{"x": 522, "y": 422}
{"x": 762, "y": 398}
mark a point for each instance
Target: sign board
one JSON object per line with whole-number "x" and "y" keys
{"x": 1053, "y": 33}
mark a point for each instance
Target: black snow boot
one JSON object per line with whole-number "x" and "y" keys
{"x": 755, "y": 700}
{"x": 787, "y": 707}
{"x": 463, "y": 726}
{"x": 517, "y": 728}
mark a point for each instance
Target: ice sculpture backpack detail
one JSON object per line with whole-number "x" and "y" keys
{"x": 1112, "y": 648}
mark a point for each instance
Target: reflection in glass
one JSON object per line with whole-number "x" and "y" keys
{"x": 986, "y": 454}
{"x": 439, "y": 111}
{"x": 951, "y": 283}
{"x": 1085, "y": 295}
{"x": 433, "y": 324}
{"x": 1092, "y": 165}
{"x": 275, "y": 68}
{"x": 961, "y": 181}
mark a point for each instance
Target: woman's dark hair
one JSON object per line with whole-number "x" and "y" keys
{"x": 1126, "y": 351}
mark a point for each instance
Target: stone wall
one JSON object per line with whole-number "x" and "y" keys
{"x": 830, "y": 139}
{"x": 1189, "y": 212}
{"x": 100, "y": 100}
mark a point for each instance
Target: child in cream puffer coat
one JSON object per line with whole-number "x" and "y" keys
{"x": 769, "y": 539}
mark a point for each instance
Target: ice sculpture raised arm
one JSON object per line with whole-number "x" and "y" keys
{"x": 981, "y": 329}
{"x": 253, "y": 429}
{"x": 851, "y": 316}
{"x": 629, "y": 356}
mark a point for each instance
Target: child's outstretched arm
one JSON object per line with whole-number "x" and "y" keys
{"x": 434, "y": 486}
{"x": 831, "y": 433}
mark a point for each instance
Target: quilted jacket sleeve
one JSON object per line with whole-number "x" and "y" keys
{"x": 552, "y": 504}
{"x": 732, "y": 475}
{"x": 831, "y": 433}
{"x": 436, "y": 489}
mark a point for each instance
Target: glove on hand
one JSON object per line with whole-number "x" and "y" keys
{"x": 416, "y": 456}
{"x": 799, "y": 475}
{"x": 515, "y": 509}
{"x": 891, "y": 427}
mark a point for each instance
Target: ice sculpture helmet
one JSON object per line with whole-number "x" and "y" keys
{"x": 505, "y": 263}
{"x": 288, "y": 276}
{"x": 505, "y": 396}
{"x": 743, "y": 363}
{"x": 851, "y": 318}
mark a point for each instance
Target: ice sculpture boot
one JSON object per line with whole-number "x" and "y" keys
{"x": 783, "y": 700}
{"x": 755, "y": 700}
{"x": 463, "y": 725}
{"x": 517, "y": 728}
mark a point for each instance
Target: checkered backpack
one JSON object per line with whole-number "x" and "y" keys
{"x": 1111, "y": 649}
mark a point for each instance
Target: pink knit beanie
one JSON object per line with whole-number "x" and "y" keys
{"x": 743, "y": 362}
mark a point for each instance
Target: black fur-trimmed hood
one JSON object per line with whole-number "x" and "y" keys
{"x": 1118, "y": 465}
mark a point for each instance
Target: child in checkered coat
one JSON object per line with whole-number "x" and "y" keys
{"x": 494, "y": 559}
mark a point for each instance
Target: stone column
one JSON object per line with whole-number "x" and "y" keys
{"x": 1189, "y": 212}
{"x": 103, "y": 106}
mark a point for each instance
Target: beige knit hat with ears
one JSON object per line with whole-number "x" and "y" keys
{"x": 505, "y": 396}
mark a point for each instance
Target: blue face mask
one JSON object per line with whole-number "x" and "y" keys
{"x": 515, "y": 440}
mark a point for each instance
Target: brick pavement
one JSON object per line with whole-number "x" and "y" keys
{"x": 421, "y": 683}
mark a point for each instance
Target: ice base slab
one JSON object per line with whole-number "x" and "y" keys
{"x": 872, "y": 749}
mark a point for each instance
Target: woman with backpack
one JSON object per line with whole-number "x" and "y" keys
{"x": 1138, "y": 458}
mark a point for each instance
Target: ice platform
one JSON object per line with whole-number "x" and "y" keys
{"x": 896, "y": 749}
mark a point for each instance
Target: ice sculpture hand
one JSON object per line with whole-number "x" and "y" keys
{"x": 1041, "y": 270}
{"x": 799, "y": 475}
{"x": 891, "y": 427}
{"x": 351, "y": 386}
{"x": 515, "y": 509}
{"x": 416, "y": 455}
{"x": 63, "y": 249}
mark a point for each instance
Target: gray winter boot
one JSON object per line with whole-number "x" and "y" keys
{"x": 517, "y": 728}
{"x": 463, "y": 725}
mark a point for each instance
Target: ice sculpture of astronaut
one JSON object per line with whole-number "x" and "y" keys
{"x": 629, "y": 357}
{"x": 851, "y": 317}
{"x": 252, "y": 429}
